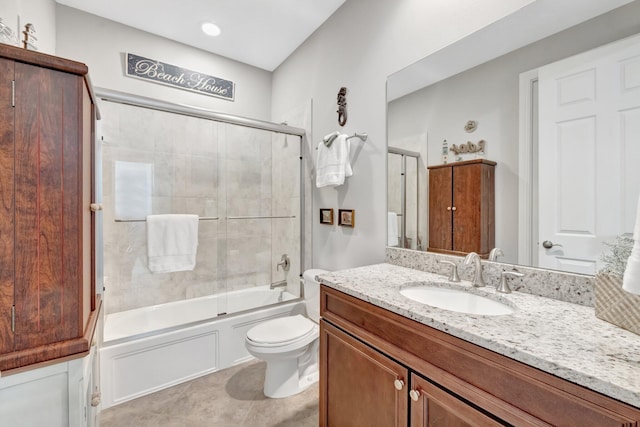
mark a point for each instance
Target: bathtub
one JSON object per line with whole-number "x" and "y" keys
{"x": 151, "y": 348}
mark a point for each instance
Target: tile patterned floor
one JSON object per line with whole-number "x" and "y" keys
{"x": 229, "y": 398}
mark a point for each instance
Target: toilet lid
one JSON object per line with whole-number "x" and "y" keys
{"x": 280, "y": 330}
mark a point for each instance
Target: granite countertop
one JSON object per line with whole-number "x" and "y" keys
{"x": 558, "y": 337}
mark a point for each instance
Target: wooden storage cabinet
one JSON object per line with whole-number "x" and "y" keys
{"x": 48, "y": 301}
{"x": 462, "y": 207}
{"x": 451, "y": 382}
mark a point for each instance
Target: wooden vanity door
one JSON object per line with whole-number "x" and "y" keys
{"x": 433, "y": 406}
{"x": 358, "y": 384}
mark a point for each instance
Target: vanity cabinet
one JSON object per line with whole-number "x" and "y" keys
{"x": 48, "y": 305}
{"x": 462, "y": 207}
{"x": 365, "y": 350}
{"x": 365, "y": 387}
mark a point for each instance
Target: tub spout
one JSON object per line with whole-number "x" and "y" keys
{"x": 280, "y": 284}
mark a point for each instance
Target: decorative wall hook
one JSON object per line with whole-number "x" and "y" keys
{"x": 342, "y": 106}
{"x": 469, "y": 147}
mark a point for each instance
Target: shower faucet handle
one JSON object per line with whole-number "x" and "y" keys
{"x": 285, "y": 263}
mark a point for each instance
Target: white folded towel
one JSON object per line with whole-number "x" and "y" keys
{"x": 172, "y": 242}
{"x": 631, "y": 278}
{"x": 333, "y": 162}
{"x": 392, "y": 229}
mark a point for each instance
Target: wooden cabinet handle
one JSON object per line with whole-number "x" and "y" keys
{"x": 398, "y": 384}
{"x": 414, "y": 395}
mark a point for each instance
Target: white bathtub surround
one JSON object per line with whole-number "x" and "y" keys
{"x": 149, "y": 349}
{"x": 631, "y": 279}
{"x": 557, "y": 337}
{"x": 172, "y": 242}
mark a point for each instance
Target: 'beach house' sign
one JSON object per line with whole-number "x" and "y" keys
{"x": 182, "y": 78}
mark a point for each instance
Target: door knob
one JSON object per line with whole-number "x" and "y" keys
{"x": 398, "y": 384}
{"x": 414, "y": 395}
{"x": 548, "y": 244}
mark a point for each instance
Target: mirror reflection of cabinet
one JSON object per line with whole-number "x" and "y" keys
{"x": 462, "y": 207}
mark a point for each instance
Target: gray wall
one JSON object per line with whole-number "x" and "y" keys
{"x": 41, "y": 13}
{"x": 358, "y": 47}
{"x": 101, "y": 44}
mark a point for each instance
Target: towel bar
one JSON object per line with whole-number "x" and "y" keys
{"x": 202, "y": 218}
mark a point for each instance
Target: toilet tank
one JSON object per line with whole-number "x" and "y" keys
{"x": 312, "y": 293}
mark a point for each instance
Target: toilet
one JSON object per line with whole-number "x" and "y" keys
{"x": 289, "y": 345}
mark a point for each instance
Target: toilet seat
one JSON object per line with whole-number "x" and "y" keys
{"x": 281, "y": 331}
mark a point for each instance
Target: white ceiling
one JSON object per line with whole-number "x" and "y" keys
{"x": 262, "y": 33}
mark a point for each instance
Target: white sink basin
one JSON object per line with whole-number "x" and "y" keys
{"x": 456, "y": 300}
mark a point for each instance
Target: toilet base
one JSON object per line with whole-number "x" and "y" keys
{"x": 282, "y": 378}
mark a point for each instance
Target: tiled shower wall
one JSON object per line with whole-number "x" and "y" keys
{"x": 201, "y": 167}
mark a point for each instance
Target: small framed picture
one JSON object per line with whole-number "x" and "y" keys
{"x": 347, "y": 217}
{"x": 326, "y": 216}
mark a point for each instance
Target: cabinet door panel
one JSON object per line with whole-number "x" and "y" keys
{"x": 440, "y": 203}
{"x": 467, "y": 198}
{"x": 436, "y": 407}
{"x": 357, "y": 384}
{"x": 6, "y": 205}
{"x": 47, "y": 206}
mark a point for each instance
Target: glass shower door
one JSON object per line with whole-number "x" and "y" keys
{"x": 261, "y": 181}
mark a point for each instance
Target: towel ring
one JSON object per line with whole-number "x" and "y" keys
{"x": 342, "y": 106}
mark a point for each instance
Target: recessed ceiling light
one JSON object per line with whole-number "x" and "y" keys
{"x": 210, "y": 29}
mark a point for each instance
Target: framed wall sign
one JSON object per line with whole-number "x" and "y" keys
{"x": 155, "y": 71}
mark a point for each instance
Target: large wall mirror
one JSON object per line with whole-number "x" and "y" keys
{"x": 567, "y": 169}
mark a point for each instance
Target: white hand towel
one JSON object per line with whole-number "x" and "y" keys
{"x": 392, "y": 229}
{"x": 631, "y": 278}
{"x": 172, "y": 242}
{"x": 333, "y": 163}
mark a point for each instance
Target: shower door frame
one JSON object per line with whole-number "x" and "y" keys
{"x": 403, "y": 191}
{"x": 203, "y": 113}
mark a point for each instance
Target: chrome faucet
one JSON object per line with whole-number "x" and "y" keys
{"x": 495, "y": 253}
{"x": 478, "y": 279}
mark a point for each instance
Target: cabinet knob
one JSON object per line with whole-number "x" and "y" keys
{"x": 414, "y": 395}
{"x": 398, "y": 384}
{"x": 95, "y": 207}
{"x": 448, "y": 208}
{"x": 454, "y": 208}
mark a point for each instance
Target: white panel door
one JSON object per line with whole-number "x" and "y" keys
{"x": 589, "y": 154}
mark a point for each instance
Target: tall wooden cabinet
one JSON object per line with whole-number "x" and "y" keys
{"x": 462, "y": 207}
{"x": 48, "y": 305}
